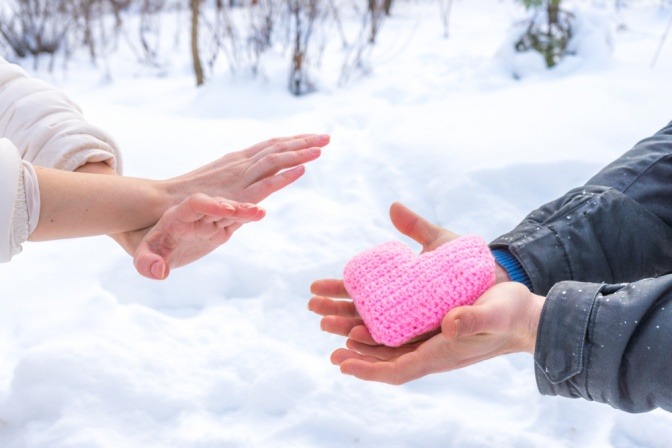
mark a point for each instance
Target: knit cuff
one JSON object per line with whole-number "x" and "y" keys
{"x": 512, "y": 266}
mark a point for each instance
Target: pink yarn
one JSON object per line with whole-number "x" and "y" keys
{"x": 400, "y": 295}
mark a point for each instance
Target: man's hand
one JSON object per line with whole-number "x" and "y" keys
{"x": 503, "y": 320}
{"x": 189, "y": 231}
{"x": 340, "y": 316}
{"x": 433, "y": 352}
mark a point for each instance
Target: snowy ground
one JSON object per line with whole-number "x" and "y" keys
{"x": 224, "y": 353}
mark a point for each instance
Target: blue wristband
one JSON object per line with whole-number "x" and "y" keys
{"x": 512, "y": 266}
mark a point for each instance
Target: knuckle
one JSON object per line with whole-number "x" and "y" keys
{"x": 272, "y": 159}
{"x": 469, "y": 325}
{"x": 477, "y": 324}
{"x": 194, "y": 198}
{"x": 280, "y": 146}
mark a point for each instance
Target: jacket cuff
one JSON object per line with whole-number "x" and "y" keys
{"x": 540, "y": 254}
{"x": 573, "y": 239}
{"x": 561, "y": 350}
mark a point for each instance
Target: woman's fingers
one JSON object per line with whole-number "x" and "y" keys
{"x": 226, "y": 233}
{"x": 277, "y": 146}
{"x": 265, "y": 175}
{"x": 150, "y": 264}
{"x": 271, "y": 164}
{"x": 252, "y": 174}
{"x": 200, "y": 221}
{"x": 269, "y": 185}
{"x": 220, "y": 211}
{"x": 261, "y": 146}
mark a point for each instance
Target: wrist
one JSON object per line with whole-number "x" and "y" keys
{"x": 501, "y": 275}
{"x": 534, "y": 315}
{"x": 508, "y": 268}
{"x": 173, "y": 191}
{"x": 129, "y": 241}
{"x": 156, "y": 194}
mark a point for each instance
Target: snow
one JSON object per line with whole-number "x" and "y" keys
{"x": 224, "y": 353}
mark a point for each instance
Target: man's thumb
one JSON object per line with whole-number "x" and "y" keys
{"x": 462, "y": 322}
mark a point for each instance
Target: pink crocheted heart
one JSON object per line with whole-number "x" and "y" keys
{"x": 400, "y": 295}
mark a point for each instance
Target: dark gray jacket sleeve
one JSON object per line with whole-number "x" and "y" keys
{"x": 617, "y": 228}
{"x": 608, "y": 343}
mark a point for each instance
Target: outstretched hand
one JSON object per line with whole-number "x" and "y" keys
{"x": 189, "y": 231}
{"x": 170, "y": 223}
{"x": 249, "y": 175}
{"x": 367, "y": 359}
{"x": 254, "y": 173}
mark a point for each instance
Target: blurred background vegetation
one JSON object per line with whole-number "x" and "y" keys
{"x": 238, "y": 33}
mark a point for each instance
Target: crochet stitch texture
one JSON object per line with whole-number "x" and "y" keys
{"x": 400, "y": 295}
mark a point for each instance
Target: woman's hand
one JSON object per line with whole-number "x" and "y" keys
{"x": 252, "y": 174}
{"x": 249, "y": 176}
{"x": 189, "y": 231}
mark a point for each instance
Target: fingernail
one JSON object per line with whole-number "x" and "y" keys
{"x": 323, "y": 137}
{"x": 314, "y": 150}
{"x": 158, "y": 270}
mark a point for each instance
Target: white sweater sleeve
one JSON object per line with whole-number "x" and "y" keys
{"x": 46, "y": 127}
{"x": 19, "y": 200}
{"x": 38, "y": 126}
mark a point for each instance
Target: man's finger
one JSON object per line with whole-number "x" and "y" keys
{"x": 465, "y": 321}
{"x": 406, "y": 368}
{"x": 380, "y": 352}
{"x": 329, "y": 288}
{"x": 325, "y": 306}
{"x": 418, "y": 228}
{"x": 343, "y": 354}
{"x": 361, "y": 334}
{"x": 341, "y": 326}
